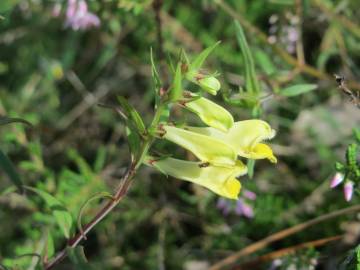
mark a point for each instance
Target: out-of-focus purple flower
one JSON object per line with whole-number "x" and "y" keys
{"x": 336, "y": 180}
{"x": 348, "y": 190}
{"x": 244, "y": 209}
{"x": 56, "y": 10}
{"x": 78, "y": 17}
{"x": 249, "y": 195}
{"x": 224, "y": 205}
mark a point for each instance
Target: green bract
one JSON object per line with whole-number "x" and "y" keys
{"x": 209, "y": 84}
{"x": 210, "y": 113}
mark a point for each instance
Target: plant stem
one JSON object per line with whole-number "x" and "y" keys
{"x": 280, "y": 235}
{"x": 120, "y": 192}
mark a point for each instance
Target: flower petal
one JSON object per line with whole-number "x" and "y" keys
{"x": 220, "y": 180}
{"x": 244, "y": 137}
{"x": 211, "y": 113}
{"x": 260, "y": 151}
{"x": 206, "y": 148}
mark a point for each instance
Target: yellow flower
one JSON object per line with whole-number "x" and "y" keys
{"x": 206, "y": 148}
{"x": 244, "y": 137}
{"x": 209, "y": 112}
{"x": 220, "y": 180}
{"x": 219, "y": 148}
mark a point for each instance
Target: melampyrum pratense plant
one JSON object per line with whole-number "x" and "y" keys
{"x": 217, "y": 146}
{"x": 220, "y": 144}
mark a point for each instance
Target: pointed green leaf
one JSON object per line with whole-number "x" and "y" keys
{"x": 251, "y": 81}
{"x": 199, "y": 60}
{"x": 251, "y": 167}
{"x": 133, "y": 141}
{"x": 61, "y": 214}
{"x": 7, "y": 120}
{"x": 297, "y": 89}
{"x": 78, "y": 258}
{"x": 176, "y": 89}
{"x": 10, "y": 170}
{"x": 133, "y": 115}
{"x": 156, "y": 78}
{"x": 97, "y": 196}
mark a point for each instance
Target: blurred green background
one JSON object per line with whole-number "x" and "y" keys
{"x": 54, "y": 76}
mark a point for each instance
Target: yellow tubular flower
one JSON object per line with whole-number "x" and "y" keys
{"x": 210, "y": 113}
{"x": 206, "y": 148}
{"x": 244, "y": 138}
{"x": 218, "y": 179}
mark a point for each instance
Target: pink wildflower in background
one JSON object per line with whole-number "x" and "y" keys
{"x": 337, "y": 180}
{"x": 241, "y": 207}
{"x": 348, "y": 190}
{"x": 77, "y": 15}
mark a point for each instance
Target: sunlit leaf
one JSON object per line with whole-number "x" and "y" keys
{"x": 176, "y": 90}
{"x": 199, "y": 60}
{"x": 61, "y": 214}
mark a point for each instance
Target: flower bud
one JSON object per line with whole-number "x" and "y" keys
{"x": 210, "y": 84}
{"x": 348, "y": 190}
{"x": 336, "y": 180}
{"x": 211, "y": 113}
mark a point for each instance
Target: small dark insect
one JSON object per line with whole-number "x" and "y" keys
{"x": 354, "y": 96}
{"x": 204, "y": 165}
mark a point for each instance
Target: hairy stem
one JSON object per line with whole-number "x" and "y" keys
{"x": 120, "y": 192}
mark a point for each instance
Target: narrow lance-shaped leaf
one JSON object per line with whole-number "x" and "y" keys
{"x": 95, "y": 197}
{"x": 176, "y": 89}
{"x": 62, "y": 216}
{"x": 133, "y": 115}
{"x": 7, "y": 120}
{"x": 78, "y": 258}
{"x": 251, "y": 82}
{"x": 199, "y": 60}
{"x": 298, "y": 89}
{"x": 10, "y": 170}
{"x": 156, "y": 79}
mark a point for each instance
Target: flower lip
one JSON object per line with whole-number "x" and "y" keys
{"x": 220, "y": 180}
{"x": 245, "y": 138}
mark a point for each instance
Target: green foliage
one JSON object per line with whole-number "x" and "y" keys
{"x": 53, "y": 77}
{"x": 298, "y": 89}
{"x": 61, "y": 214}
{"x": 10, "y": 170}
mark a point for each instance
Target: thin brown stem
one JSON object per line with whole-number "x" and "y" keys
{"x": 299, "y": 43}
{"x": 307, "y": 69}
{"x": 280, "y": 235}
{"x": 74, "y": 241}
{"x": 253, "y": 264}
